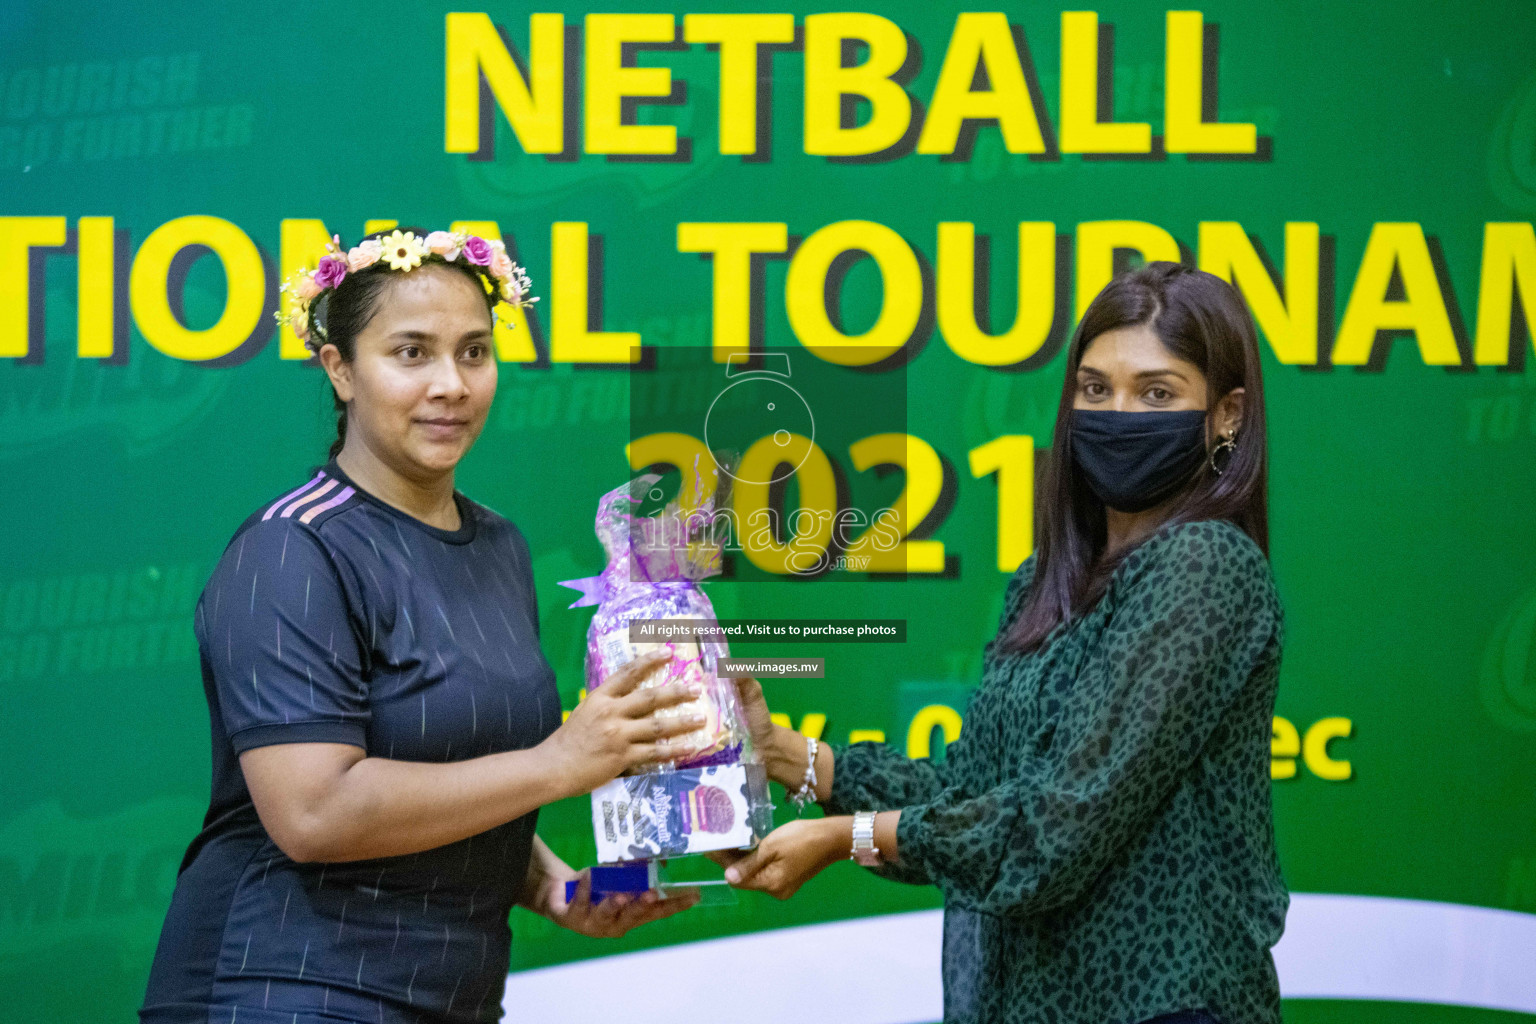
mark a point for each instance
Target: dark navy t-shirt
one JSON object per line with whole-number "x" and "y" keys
{"x": 335, "y": 618}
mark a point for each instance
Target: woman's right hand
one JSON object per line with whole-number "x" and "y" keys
{"x": 616, "y": 729}
{"x": 782, "y": 750}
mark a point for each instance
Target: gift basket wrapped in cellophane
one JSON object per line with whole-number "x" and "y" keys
{"x": 716, "y": 798}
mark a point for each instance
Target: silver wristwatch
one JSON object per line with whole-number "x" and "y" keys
{"x": 864, "y": 851}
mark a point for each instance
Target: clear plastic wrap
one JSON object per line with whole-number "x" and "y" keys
{"x": 654, "y": 567}
{"x": 717, "y": 798}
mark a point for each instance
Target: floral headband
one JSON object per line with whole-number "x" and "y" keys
{"x": 402, "y": 251}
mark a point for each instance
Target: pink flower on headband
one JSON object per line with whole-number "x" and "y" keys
{"x": 331, "y": 272}
{"x": 441, "y": 243}
{"x": 364, "y": 254}
{"x": 307, "y": 288}
{"x": 501, "y": 265}
{"x": 477, "y": 251}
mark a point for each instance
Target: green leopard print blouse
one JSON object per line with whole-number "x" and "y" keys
{"x": 1102, "y": 830}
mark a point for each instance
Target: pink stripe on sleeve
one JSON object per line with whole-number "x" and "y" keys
{"x": 293, "y": 506}
{"x": 292, "y": 494}
{"x": 343, "y": 496}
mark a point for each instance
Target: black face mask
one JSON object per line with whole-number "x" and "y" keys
{"x": 1133, "y": 460}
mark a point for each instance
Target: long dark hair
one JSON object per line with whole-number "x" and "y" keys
{"x": 343, "y": 313}
{"x": 1202, "y": 319}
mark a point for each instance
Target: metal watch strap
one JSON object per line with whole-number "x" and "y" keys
{"x": 864, "y": 850}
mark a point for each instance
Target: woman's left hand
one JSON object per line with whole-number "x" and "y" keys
{"x": 614, "y": 916}
{"x": 792, "y": 855}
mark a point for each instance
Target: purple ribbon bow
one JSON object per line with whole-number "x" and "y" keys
{"x": 597, "y": 589}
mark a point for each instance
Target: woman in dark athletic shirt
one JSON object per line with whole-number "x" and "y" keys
{"x": 384, "y": 723}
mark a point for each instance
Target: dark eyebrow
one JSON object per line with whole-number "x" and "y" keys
{"x": 1143, "y": 375}
{"x": 476, "y": 335}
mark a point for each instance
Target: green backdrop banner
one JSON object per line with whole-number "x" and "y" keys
{"x": 916, "y": 198}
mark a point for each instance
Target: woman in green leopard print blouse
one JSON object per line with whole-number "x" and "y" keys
{"x": 1102, "y": 830}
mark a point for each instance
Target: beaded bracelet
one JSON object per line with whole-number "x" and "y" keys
{"x": 807, "y": 791}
